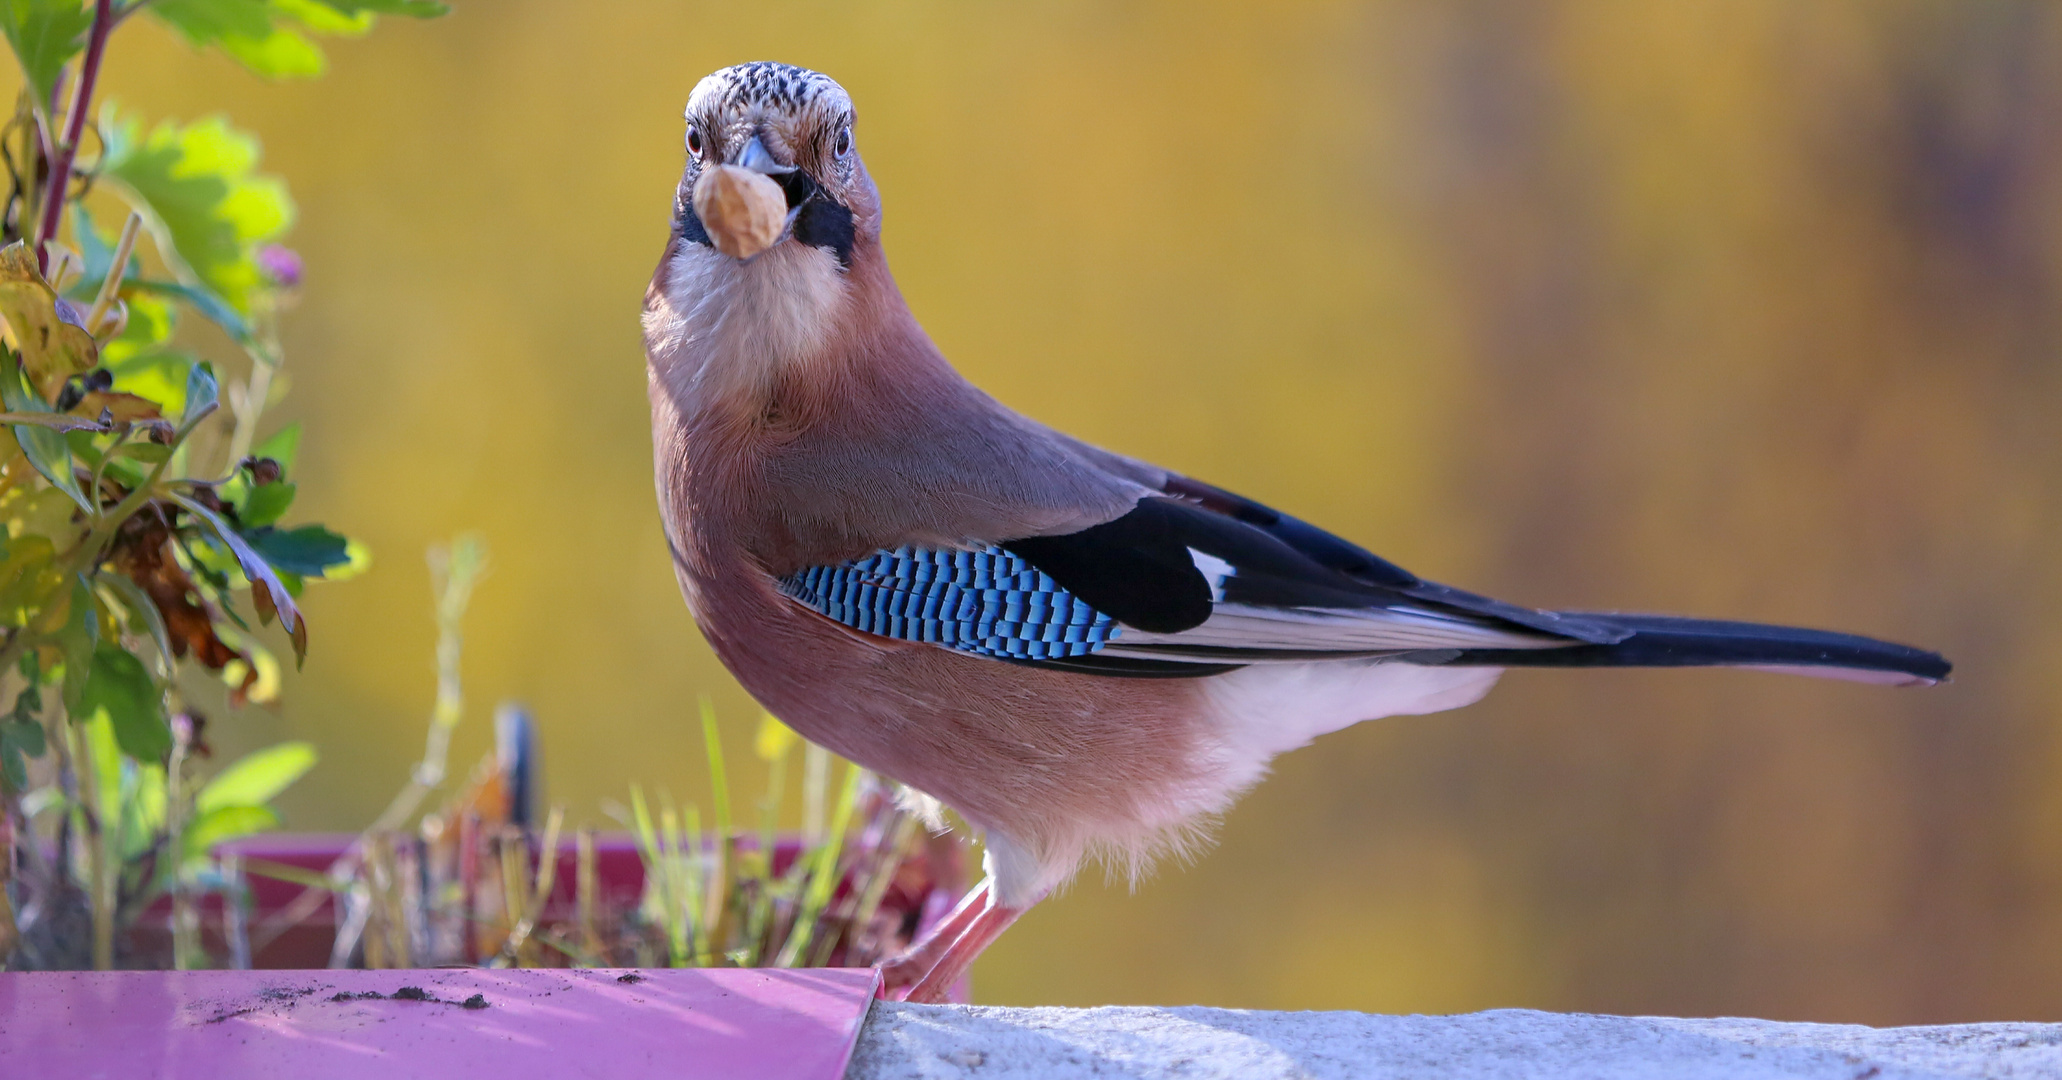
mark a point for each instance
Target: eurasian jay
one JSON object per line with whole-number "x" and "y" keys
{"x": 1081, "y": 653}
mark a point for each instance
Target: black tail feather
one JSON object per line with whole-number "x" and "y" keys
{"x": 1663, "y": 641}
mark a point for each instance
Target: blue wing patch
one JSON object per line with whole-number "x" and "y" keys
{"x": 987, "y": 601}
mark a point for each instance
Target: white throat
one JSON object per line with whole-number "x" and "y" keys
{"x": 727, "y": 329}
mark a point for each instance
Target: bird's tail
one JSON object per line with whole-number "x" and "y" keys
{"x": 1664, "y": 641}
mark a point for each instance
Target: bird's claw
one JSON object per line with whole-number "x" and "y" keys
{"x": 899, "y": 975}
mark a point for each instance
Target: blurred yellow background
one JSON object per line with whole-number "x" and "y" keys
{"x": 1747, "y": 309}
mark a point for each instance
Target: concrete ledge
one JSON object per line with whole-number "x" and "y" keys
{"x": 970, "y": 1041}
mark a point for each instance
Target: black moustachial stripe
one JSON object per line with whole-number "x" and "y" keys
{"x": 825, "y": 223}
{"x": 689, "y": 226}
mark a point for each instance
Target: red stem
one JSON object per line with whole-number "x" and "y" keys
{"x": 75, "y": 129}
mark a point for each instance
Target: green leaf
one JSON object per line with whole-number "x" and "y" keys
{"x": 159, "y": 376}
{"x": 224, "y": 824}
{"x": 323, "y": 18}
{"x": 264, "y": 35}
{"x": 245, "y": 29}
{"x": 210, "y": 307}
{"x": 134, "y": 704}
{"x": 76, "y": 640}
{"x": 143, "y": 809}
{"x": 283, "y": 446}
{"x": 49, "y": 331}
{"x": 264, "y": 505}
{"x": 280, "y": 54}
{"x": 142, "y": 609}
{"x": 27, "y": 579}
{"x": 45, "y": 448}
{"x": 103, "y": 757}
{"x": 204, "y": 203}
{"x": 20, "y": 740}
{"x": 419, "y": 9}
{"x": 150, "y": 324}
{"x": 45, "y": 34}
{"x": 308, "y": 550}
{"x": 94, "y": 250}
{"x": 26, "y": 735}
{"x": 268, "y": 594}
{"x": 257, "y": 778}
{"x": 201, "y": 394}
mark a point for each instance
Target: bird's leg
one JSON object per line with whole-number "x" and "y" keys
{"x": 936, "y": 985}
{"x": 898, "y": 972}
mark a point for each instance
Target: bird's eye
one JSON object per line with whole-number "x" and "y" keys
{"x": 844, "y": 143}
{"x": 694, "y": 142}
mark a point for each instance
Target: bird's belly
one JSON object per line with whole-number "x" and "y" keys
{"x": 1053, "y": 759}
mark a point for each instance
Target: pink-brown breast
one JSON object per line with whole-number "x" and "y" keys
{"x": 1059, "y": 762}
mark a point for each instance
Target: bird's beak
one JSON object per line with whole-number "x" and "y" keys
{"x": 757, "y": 158}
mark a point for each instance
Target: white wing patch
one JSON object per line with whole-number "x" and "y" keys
{"x": 1214, "y": 571}
{"x": 1303, "y": 631}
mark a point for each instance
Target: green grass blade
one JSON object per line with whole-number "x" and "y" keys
{"x": 823, "y": 876}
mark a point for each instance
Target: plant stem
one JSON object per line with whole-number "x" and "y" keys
{"x": 186, "y": 947}
{"x": 75, "y": 128}
{"x": 255, "y": 390}
{"x": 8, "y": 931}
{"x": 823, "y": 876}
{"x": 454, "y": 571}
{"x": 117, "y": 269}
{"x": 100, "y": 872}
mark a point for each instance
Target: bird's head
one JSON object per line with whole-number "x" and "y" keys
{"x": 793, "y": 128}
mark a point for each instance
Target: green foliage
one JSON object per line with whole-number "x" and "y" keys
{"x": 45, "y": 35}
{"x": 221, "y": 824}
{"x": 21, "y": 738}
{"x": 141, "y": 521}
{"x": 265, "y": 504}
{"x": 271, "y": 37}
{"x": 209, "y": 209}
{"x": 258, "y": 778}
{"x": 310, "y": 551}
{"x": 118, "y": 685}
{"x": 45, "y": 448}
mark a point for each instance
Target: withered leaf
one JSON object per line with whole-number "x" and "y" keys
{"x": 48, "y": 330}
{"x": 143, "y": 553}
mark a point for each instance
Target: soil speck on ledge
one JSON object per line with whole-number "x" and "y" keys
{"x": 412, "y": 993}
{"x": 632, "y": 977}
{"x": 477, "y": 1001}
{"x": 269, "y": 997}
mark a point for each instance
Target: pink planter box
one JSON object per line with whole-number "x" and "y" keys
{"x": 620, "y": 871}
{"x": 435, "y": 1025}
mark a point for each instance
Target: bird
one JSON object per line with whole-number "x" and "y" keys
{"x": 1084, "y": 655}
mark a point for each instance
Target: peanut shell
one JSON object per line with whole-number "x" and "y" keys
{"x": 742, "y": 210}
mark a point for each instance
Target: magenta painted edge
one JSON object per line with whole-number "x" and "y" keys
{"x": 781, "y": 1024}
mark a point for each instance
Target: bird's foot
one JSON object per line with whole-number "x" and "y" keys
{"x": 915, "y": 979}
{"x": 943, "y": 970}
{"x": 899, "y": 974}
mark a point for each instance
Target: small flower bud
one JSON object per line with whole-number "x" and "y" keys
{"x": 280, "y": 265}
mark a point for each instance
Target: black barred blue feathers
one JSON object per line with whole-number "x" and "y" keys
{"x": 986, "y": 601}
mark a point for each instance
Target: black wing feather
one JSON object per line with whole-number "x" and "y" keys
{"x": 1138, "y": 569}
{"x": 1135, "y": 569}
